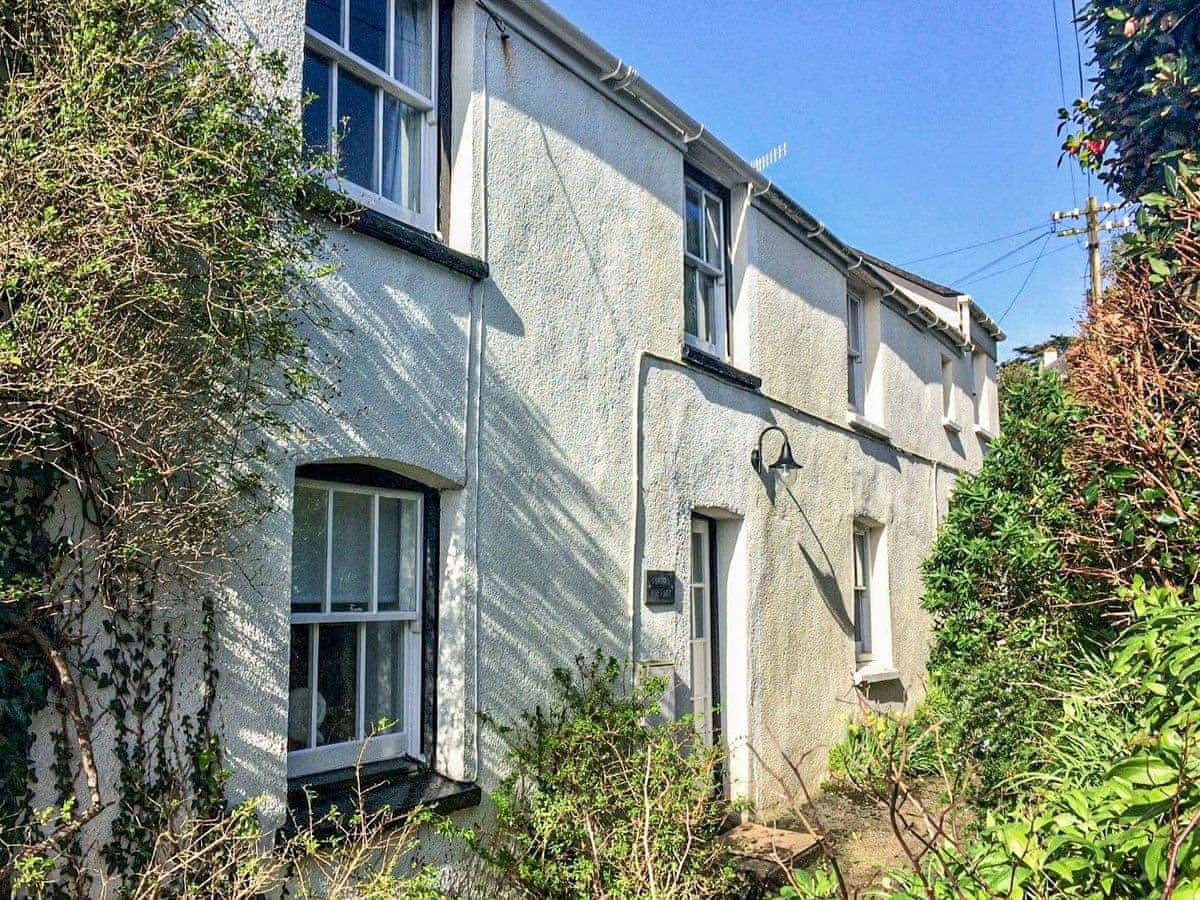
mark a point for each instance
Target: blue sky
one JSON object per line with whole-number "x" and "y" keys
{"x": 912, "y": 129}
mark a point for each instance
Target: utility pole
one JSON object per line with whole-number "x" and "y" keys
{"x": 1094, "y": 226}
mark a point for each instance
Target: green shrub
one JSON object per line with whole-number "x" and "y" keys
{"x": 877, "y": 745}
{"x": 1127, "y": 830}
{"x": 598, "y": 803}
{"x": 1008, "y": 616}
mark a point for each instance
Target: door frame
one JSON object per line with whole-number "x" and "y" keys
{"x": 716, "y": 692}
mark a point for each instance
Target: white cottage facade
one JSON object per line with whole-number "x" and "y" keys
{"x": 565, "y": 321}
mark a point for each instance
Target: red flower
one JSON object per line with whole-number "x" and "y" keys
{"x": 1096, "y": 148}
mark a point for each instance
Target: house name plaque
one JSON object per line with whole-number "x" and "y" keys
{"x": 660, "y": 587}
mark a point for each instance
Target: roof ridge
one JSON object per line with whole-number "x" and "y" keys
{"x": 944, "y": 290}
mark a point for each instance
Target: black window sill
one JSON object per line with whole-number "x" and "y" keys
{"x": 396, "y": 786}
{"x": 718, "y": 367}
{"x": 395, "y": 233}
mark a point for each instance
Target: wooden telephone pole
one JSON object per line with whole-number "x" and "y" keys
{"x": 1094, "y": 226}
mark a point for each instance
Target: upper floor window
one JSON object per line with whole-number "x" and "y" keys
{"x": 705, "y": 281}
{"x": 856, "y": 342}
{"x": 369, "y": 67}
{"x": 983, "y": 389}
{"x": 356, "y": 621}
{"x": 948, "y": 411}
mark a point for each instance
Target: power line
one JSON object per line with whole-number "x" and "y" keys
{"x": 1037, "y": 259}
{"x": 1062, "y": 90}
{"x": 1015, "y": 265}
{"x": 1079, "y": 66}
{"x": 1005, "y": 237}
{"x": 1000, "y": 258}
{"x": 1078, "y": 47}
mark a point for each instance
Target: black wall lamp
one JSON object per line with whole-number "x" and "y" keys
{"x": 785, "y": 468}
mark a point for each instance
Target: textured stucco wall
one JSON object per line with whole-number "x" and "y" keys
{"x": 572, "y": 446}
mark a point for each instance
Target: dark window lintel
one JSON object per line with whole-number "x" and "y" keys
{"x": 718, "y": 367}
{"x": 397, "y": 786}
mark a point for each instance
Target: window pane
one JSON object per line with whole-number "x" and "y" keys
{"x": 309, "y": 529}
{"x": 402, "y": 153}
{"x": 356, "y": 127}
{"x": 862, "y": 621}
{"x": 316, "y": 112}
{"x": 698, "y": 620}
{"x": 325, "y": 16}
{"x": 368, "y": 30}
{"x": 714, "y": 226}
{"x": 709, "y": 309}
{"x": 691, "y": 295}
{"x": 351, "y": 562}
{"x": 695, "y": 223}
{"x": 337, "y": 689}
{"x": 852, "y": 380}
{"x": 398, "y": 554}
{"x": 300, "y": 690}
{"x": 414, "y": 45}
{"x": 384, "y": 690}
{"x": 854, "y": 323}
{"x": 860, "y": 560}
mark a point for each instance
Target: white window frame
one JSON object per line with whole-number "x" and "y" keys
{"x": 949, "y": 406}
{"x": 856, "y": 342}
{"x": 381, "y": 746}
{"x": 982, "y": 384}
{"x": 861, "y": 564}
{"x": 719, "y": 347}
{"x": 700, "y": 598}
{"x": 339, "y": 56}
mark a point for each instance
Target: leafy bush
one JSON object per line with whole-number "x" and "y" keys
{"x": 154, "y": 263}
{"x": 1007, "y": 614}
{"x": 1130, "y": 829}
{"x": 1135, "y": 369}
{"x": 231, "y": 856}
{"x": 1144, "y": 106}
{"x": 598, "y": 803}
{"x": 877, "y": 745}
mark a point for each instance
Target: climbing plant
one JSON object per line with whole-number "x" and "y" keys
{"x": 154, "y": 265}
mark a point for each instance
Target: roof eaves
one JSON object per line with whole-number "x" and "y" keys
{"x": 933, "y": 286}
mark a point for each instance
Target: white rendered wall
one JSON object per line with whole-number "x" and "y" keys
{"x": 572, "y": 446}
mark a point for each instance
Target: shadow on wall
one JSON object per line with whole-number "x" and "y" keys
{"x": 551, "y": 555}
{"x": 890, "y": 695}
{"x": 392, "y": 370}
{"x": 823, "y": 573}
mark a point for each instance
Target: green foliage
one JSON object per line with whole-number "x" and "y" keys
{"x": 1005, "y": 611}
{"x": 154, "y": 263}
{"x": 25, "y": 679}
{"x": 598, "y": 803}
{"x": 1135, "y": 372}
{"x": 1127, "y": 829}
{"x": 877, "y": 745}
{"x": 1145, "y": 111}
{"x": 818, "y": 883}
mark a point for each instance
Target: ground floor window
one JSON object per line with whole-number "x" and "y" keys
{"x": 867, "y": 626}
{"x": 358, "y": 604}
